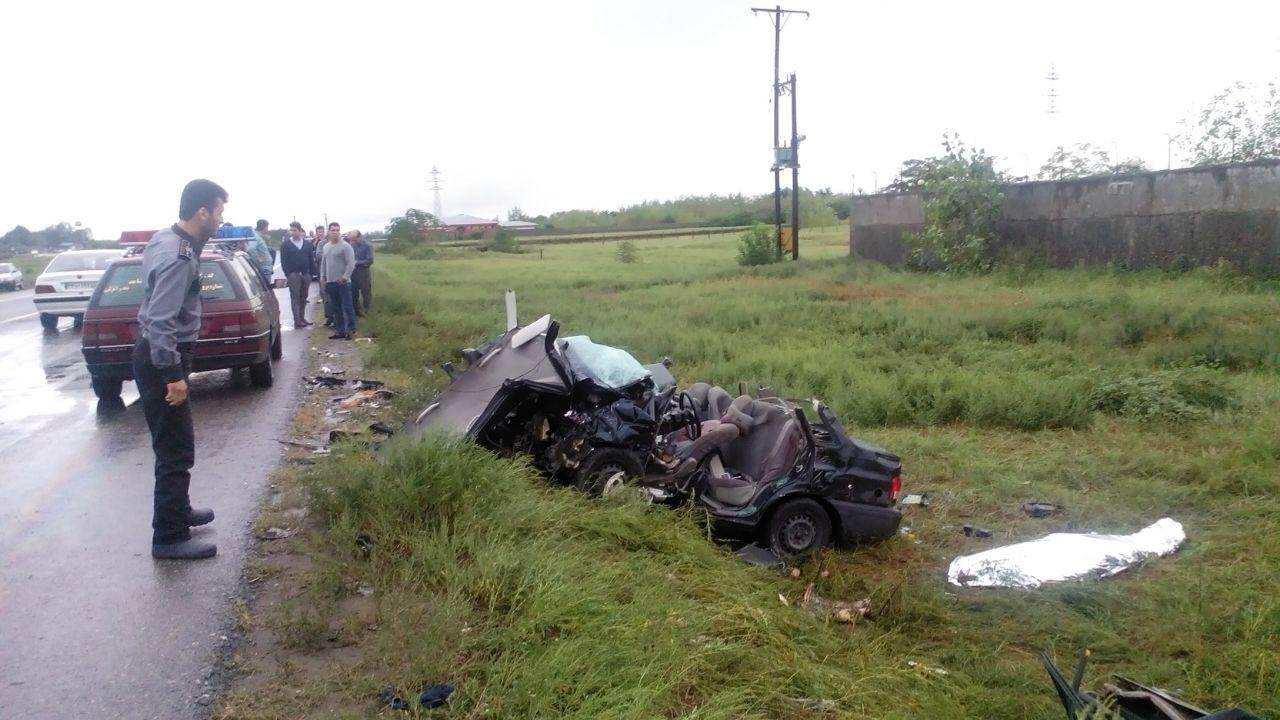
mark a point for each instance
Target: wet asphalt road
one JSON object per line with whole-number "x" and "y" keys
{"x": 90, "y": 625}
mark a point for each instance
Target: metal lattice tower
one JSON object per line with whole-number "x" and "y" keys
{"x": 436, "y": 208}
{"x": 1052, "y": 94}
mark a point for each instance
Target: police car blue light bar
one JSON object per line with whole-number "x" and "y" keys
{"x": 241, "y": 232}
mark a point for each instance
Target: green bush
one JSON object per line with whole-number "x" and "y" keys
{"x": 1255, "y": 349}
{"x": 1173, "y": 397}
{"x": 504, "y": 242}
{"x": 627, "y": 252}
{"x": 962, "y": 203}
{"x": 757, "y": 246}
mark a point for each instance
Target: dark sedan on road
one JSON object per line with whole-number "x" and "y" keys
{"x": 239, "y": 327}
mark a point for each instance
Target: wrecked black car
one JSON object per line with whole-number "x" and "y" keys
{"x": 592, "y": 416}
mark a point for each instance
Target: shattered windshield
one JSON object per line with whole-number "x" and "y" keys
{"x": 607, "y": 366}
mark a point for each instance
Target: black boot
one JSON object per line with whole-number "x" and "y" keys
{"x": 185, "y": 550}
{"x": 199, "y": 516}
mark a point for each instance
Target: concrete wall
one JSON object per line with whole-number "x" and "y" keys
{"x": 1160, "y": 219}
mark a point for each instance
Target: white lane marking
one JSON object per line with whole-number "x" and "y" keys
{"x": 20, "y": 317}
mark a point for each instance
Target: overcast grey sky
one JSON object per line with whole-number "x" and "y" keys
{"x": 306, "y": 108}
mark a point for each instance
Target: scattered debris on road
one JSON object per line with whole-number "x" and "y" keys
{"x": 276, "y": 533}
{"x": 921, "y": 499}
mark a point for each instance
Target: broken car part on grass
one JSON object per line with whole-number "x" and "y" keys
{"x": 1064, "y": 556}
{"x": 1126, "y": 699}
{"x": 584, "y": 412}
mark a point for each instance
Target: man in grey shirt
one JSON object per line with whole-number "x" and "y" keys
{"x": 337, "y": 262}
{"x": 168, "y": 326}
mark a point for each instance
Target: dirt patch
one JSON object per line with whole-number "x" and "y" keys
{"x": 300, "y": 626}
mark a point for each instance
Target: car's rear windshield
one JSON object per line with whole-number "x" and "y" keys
{"x": 71, "y": 262}
{"x": 123, "y": 285}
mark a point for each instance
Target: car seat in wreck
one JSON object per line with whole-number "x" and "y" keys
{"x": 752, "y": 442}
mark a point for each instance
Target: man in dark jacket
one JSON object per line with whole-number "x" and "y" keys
{"x": 361, "y": 277}
{"x": 297, "y": 256}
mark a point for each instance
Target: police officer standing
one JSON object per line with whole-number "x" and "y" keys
{"x": 168, "y": 325}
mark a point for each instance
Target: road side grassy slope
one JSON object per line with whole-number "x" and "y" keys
{"x": 1125, "y": 397}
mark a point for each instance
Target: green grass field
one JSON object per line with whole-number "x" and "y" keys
{"x": 1126, "y": 397}
{"x": 30, "y": 265}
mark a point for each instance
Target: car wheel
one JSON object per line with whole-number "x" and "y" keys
{"x": 597, "y": 474}
{"x": 107, "y": 388}
{"x": 260, "y": 374}
{"x": 799, "y": 527}
{"x": 49, "y": 322}
{"x": 277, "y": 346}
{"x": 79, "y": 322}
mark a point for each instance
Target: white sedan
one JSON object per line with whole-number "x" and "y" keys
{"x": 65, "y": 286}
{"x": 10, "y": 276}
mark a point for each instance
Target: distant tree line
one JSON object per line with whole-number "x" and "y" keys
{"x": 817, "y": 208}
{"x": 61, "y": 236}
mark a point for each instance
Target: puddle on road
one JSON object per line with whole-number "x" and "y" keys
{"x": 44, "y": 373}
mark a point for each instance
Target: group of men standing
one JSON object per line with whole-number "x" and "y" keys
{"x": 342, "y": 267}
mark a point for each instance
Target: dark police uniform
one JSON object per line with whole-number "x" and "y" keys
{"x": 168, "y": 325}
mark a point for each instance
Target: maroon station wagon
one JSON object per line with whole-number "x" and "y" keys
{"x": 239, "y": 327}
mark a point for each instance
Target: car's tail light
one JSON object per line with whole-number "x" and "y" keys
{"x": 44, "y": 289}
{"x": 245, "y": 323}
{"x": 895, "y": 487}
{"x": 106, "y": 333}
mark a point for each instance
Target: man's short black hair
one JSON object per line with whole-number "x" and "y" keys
{"x": 335, "y": 224}
{"x": 262, "y": 225}
{"x": 295, "y": 225}
{"x": 199, "y": 194}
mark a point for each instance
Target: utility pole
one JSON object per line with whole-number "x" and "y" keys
{"x": 778, "y": 14}
{"x": 795, "y": 174}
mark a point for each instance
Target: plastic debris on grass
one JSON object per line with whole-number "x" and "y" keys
{"x": 1037, "y": 509}
{"x": 1065, "y": 556}
{"x": 838, "y": 610}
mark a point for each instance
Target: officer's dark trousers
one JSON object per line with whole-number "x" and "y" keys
{"x": 361, "y": 289}
{"x": 173, "y": 441}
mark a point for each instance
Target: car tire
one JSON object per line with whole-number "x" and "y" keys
{"x": 277, "y": 346}
{"x": 49, "y": 322}
{"x": 798, "y": 527}
{"x": 602, "y": 464}
{"x": 78, "y": 322}
{"x": 261, "y": 375}
{"x": 107, "y": 388}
